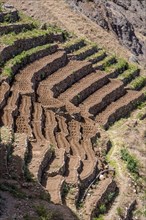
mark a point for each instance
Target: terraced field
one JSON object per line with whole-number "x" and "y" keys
{"x": 57, "y": 95}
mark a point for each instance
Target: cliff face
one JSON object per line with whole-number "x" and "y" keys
{"x": 126, "y": 19}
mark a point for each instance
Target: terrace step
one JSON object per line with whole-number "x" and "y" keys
{"x": 115, "y": 69}
{"x": 17, "y": 162}
{"x": 62, "y": 142}
{"x": 39, "y": 69}
{"x": 89, "y": 168}
{"x": 54, "y": 186}
{"x": 71, "y": 109}
{"x": 73, "y": 45}
{"x": 84, "y": 52}
{"x": 4, "y": 93}
{"x": 120, "y": 108}
{"x": 83, "y": 88}
{"x": 26, "y": 57}
{"x": 41, "y": 155}
{"x": 77, "y": 149}
{"x": 103, "y": 97}
{"x": 95, "y": 199}
{"x": 65, "y": 77}
{"x": 62, "y": 125}
{"x": 11, "y": 16}
{"x": 104, "y": 63}
{"x": 138, "y": 83}
{"x": 57, "y": 167}
{"x": 90, "y": 130}
{"x": 37, "y": 123}
{"x": 11, "y": 109}
{"x": 24, "y": 118}
{"x": 21, "y": 43}
{"x": 50, "y": 127}
{"x": 74, "y": 130}
{"x": 16, "y": 28}
{"x": 74, "y": 167}
{"x": 88, "y": 173}
{"x": 87, "y": 145}
{"x": 128, "y": 75}
{"x": 96, "y": 57}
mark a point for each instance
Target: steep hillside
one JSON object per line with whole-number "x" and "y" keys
{"x": 126, "y": 19}
{"x": 59, "y": 96}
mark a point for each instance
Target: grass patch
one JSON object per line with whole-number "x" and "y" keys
{"x": 96, "y": 55}
{"x": 129, "y": 73}
{"x": 84, "y": 49}
{"x": 107, "y": 62}
{"x": 120, "y": 65}
{"x": 138, "y": 83}
{"x": 11, "y": 38}
{"x": 71, "y": 43}
{"x": 7, "y": 70}
{"x": 131, "y": 162}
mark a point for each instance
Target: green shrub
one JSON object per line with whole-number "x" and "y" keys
{"x": 102, "y": 208}
{"x": 132, "y": 164}
{"x": 96, "y": 55}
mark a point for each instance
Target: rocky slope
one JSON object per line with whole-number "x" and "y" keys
{"x": 126, "y": 19}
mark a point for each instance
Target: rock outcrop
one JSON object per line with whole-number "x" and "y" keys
{"x": 126, "y": 19}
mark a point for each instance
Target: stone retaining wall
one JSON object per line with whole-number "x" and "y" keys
{"x": 9, "y": 16}
{"x": 17, "y": 28}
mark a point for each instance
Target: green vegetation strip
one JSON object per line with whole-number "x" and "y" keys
{"x": 119, "y": 65}
{"x": 10, "y": 39}
{"x": 96, "y": 55}
{"x": 70, "y": 43}
{"x": 7, "y": 70}
{"x": 128, "y": 74}
{"x": 138, "y": 83}
{"x": 84, "y": 49}
{"x": 106, "y": 62}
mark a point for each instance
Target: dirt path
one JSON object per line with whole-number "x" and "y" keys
{"x": 58, "y": 12}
